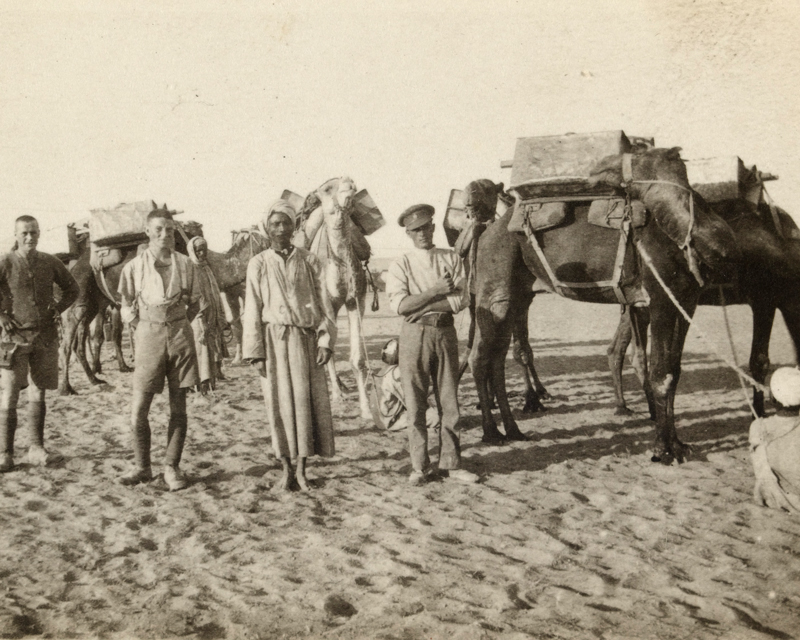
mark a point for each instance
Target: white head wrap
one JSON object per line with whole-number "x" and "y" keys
{"x": 194, "y": 243}
{"x": 785, "y": 386}
{"x": 279, "y": 206}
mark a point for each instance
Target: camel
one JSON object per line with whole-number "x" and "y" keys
{"x": 96, "y": 292}
{"x": 333, "y": 235}
{"x": 767, "y": 278}
{"x": 580, "y": 253}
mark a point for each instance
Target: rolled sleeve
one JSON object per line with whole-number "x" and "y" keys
{"x": 396, "y": 286}
{"x": 127, "y": 291}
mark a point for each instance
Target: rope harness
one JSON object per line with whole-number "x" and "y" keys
{"x": 628, "y": 177}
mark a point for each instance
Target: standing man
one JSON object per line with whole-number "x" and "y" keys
{"x": 426, "y": 286}
{"x": 29, "y": 317}
{"x": 288, "y": 336}
{"x": 160, "y": 298}
{"x": 208, "y": 325}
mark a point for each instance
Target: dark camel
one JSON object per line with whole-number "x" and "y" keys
{"x": 584, "y": 252}
{"x": 767, "y": 278}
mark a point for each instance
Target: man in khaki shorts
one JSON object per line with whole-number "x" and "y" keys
{"x": 160, "y": 298}
{"x": 29, "y": 317}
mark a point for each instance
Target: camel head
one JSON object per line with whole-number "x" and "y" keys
{"x": 657, "y": 177}
{"x": 336, "y": 197}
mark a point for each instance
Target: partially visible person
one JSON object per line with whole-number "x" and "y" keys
{"x": 775, "y": 445}
{"x": 29, "y": 317}
{"x": 160, "y": 298}
{"x": 392, "y": 413}
{"x": 209, "y": 325}
{"x": 288, "y": 336}
{"x": 427, "y": 286}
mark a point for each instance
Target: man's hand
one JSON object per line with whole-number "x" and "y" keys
{"x": 8, "y": 323}
{"x": 260, "y": 366}
{"x": 323, "y": 355}
{"x": 444, "y": 286}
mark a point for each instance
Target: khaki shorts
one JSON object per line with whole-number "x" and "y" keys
{"x": 164, "y": 351}
{"x": 37, "y": 360}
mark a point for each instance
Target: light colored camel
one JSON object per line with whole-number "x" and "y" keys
{"x": 330, "y": 232}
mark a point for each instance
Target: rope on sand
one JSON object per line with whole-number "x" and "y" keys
{"x": 732, "y": 364}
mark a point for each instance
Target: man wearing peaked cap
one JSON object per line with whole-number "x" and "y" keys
{"x": 416, "y": 216}
{"x": 426, "y": 286}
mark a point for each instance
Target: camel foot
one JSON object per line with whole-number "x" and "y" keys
{"x": 98, "y": 381}
{"x": 493, "y": 437}
{"x": 533, "y": 404}
{"x": 342, "y": 386}
{"x": 543, "y": 394}
{"x": 67, "y": 391}
{"x": 516, "y": 435}
{"x": 622, "y": 410}
{"x": 667, "y": 454}
{"x": 124, "y": 368}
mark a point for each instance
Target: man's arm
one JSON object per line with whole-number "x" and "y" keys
{"x": 432, "y": 299}
{"x": 68, "y": 285}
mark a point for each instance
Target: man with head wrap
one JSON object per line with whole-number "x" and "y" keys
{"x": 288, "y": 335}
{"x": 775, "y": 445}
{"x": 209, "y": 324}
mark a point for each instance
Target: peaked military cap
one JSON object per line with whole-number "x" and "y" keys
{"x": 416, "y": 216}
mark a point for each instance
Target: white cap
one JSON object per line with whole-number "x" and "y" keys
{"x": 785, "y": 386}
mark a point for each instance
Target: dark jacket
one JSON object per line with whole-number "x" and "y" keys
{"x": 26, "y": 289}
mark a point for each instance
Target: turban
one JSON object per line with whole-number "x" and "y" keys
{"x": 279, "y": 206}
{"x": 785, "y": 386}
{"x": 195, "y": 243}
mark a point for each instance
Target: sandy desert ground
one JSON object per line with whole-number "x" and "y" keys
{"x": 575, "y": 534}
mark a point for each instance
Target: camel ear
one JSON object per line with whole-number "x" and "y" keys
{"x": 165, "y": 207}
{"x": 499, "y": 187}
{"x": 155, "y": 206}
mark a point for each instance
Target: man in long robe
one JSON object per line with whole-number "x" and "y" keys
{"x": 208, "y": 325}
{"x": 288, "y": 334}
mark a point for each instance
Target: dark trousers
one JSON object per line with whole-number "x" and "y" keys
{"x": 430, "y": 354}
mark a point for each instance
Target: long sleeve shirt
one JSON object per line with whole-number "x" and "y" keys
{"x": 419, "y": 270}
{"x": 26, "y": 288}
{"x": 290, "y": 293}
{"x": 141, "y": 283}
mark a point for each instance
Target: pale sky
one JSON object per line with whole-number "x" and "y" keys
{"x": 216, "y": 111}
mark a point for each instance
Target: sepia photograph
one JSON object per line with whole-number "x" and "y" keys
{"x": 400, "y": 321}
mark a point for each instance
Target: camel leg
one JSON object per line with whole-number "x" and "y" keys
{"x": 480, "y": 361}
{"x": 95, "y": 341}
{"x": 669, "y": 331}
{"x": 639, "y": 320}
{"x": 81, "y": 335}
{"x": 616, "y": 359}
{"x": 236, "y": 328}
{"x": 71, "y": 319}
{"x": 358, "y": 359}
{"x": 116, "y": 330}
{"x": 523, "y": 355}
{"x": 498, "y": 373}
{"x": 763, "y": 317}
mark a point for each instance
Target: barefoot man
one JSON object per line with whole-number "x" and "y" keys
{"x": 427, "y": 286}
{"x": 160, "y": 297}
{"x": 288, "y": 334}
{"x": 29, "y": 317}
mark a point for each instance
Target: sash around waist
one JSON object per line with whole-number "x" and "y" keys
{"x": 162, "y": 314}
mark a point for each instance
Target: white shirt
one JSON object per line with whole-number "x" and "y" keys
{"x": 419, "y": 270}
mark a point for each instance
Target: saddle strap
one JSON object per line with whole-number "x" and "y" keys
{"x": 104, "y": 288}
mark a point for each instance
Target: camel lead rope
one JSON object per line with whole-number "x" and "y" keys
{"x": 648, "y": 261}
{"x": 733, "y": 351}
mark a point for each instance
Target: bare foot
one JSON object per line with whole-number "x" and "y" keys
{"x": 285, "y": 483}
{"x": 302, "y": 482}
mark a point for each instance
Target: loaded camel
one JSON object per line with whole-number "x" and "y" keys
{"x": 581, "y": 251}
{"x": 767, "y": 278}
{"x": 329, "y": 230}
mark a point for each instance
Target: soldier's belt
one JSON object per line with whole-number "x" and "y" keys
{"x": 437, "y": 320}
